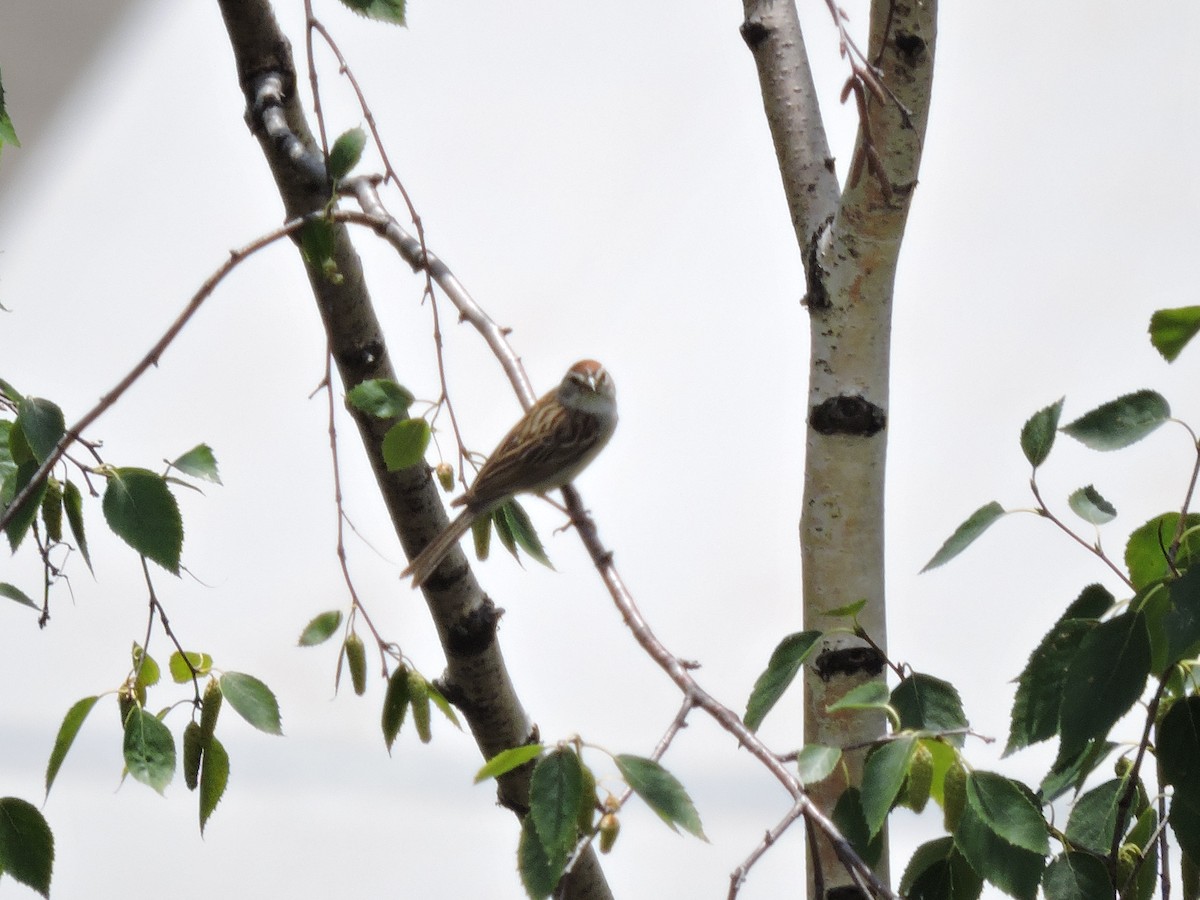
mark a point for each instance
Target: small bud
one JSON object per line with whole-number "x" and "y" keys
{"x": 610, "y": 827}
{"x": 191, "y": 755}
{"x": 445, "y": 476}
{"x": 920, "y": 779}
{"x": 954, "y": 791}
{"x": 126, "y": 701}
{"x": 209, "y": 708}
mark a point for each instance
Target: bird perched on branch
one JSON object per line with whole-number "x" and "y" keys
{"x": 551, "y": 444}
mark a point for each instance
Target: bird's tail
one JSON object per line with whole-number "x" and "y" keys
{"x": 435, "y": 551}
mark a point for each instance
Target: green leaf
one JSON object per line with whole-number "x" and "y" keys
{"x": 346, "y": 152}
{"x": 1171, "y": 329}
{"x": 1146, "y": 550}
{"x": 523, "y": 532}
{"x": 1120, "y": 422}
{"x": 848, "y": 817}
{"x": 21, "y": 522}
{"x": 883, "y": 776}
{"x": 444, "y": 707}
{"x": 937, "y": 871}
{"x": 12, "y": 592}
{"x": 391, "y": 11}
{"x": 73, "y": 505}
{"x": 870, "y": 695}
{"x": 1146, "y": 879}
{"x": 1077, "y": 876}
{"x": 8, "y": 465}
{"x": 1071, "y": 770}
{"x": 395, "y": 705}
{"x": 1036, "y": 707}
{"x": 141, "y": 510}
{"x": 26, "y": 844}
{"x": 1181, "y": 623}
{"x": 975, "y": 525}
{"x": 1013, "y": 869}
{"x": 149, "y": 749}
{"x": 785, "y": 662}
{"x": 1178, "y": 746}
{"x": 199, "y": 462}
{"x": 148, "y": 672}
{"x": 252, "y": 700}
{"x": 181, "y": 673}
{"x": 1091, "y": 507}
{"x": 661, "y": 791}
{"x": 504, "y": 532}
{"x": 816, "y": 762}
{"x": 1005, "y": 807}
{"x": 418, "y": 698}
{"x": 214, "y": 776}
{"x": 404, "y": 444}
{"x": 848, "y": 611}
{"x": 317, "y": 246}
{"x": 539, "y": 873}
{"x": 925, "y": 703}
{"x": 507, "y": 760}
{"x": 1105, "y": 679}
{"x": 1038, "y": 433}
{"x": 43, "y": 424}
{"x": 1093, "y": 817}
{"x": 321, "y": 628}
{"x": 555, "y": 791}
{"x": 67, "y": 731}
{"x": 380, "y": 397}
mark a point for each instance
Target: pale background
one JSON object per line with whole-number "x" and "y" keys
{"x": 601, "y": 177}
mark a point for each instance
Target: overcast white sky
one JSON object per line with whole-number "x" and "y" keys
{"x": 602, "y": 180}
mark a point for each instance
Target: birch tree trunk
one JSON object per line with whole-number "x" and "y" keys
{"x": 850, "y": 241}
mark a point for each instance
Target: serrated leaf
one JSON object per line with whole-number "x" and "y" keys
{"x": 507, "y": 760}
{"x": 1181, "y": 622}
{"x": 937, "y": 871}
{"x": 1071, "y": 770}
{"x": 181, "y": 673}
{"x": 149, "y": 749}
{"x": 847, "y": 611}
{"x": 418, "y": 698}
{"x": 785, "y": 662}
{"x": 555, "y": 789}
{"x": 1178, "y": 746}
{"x": 391, "y": 11}
{"x": 1038, "y": 433}
{"x": 346, "y": 152}
{"x": 380, "y": 397}
{"x": 1120, "y": 422}
{"x": 870, "y": 695}
{"x": 816, "y": 762}
{"x": 848, "y": 817}
{"x": 504, "y": 532}
{"x": 8, "y": 465}
{"x": 67, "y": 732}
{"x": 141, "y": 510}
{"x": 523, "y": 532}
{"x": 12, "y": 592}
{"x": 1104, "y": 679}
{"x": 26, "y": 844}
{"x": 1005, "y": 807}
{"x": 1146, "y": 549}
{"x": 214, "y": 776}
{"x": 439, "y": 700}
{"x": 320, "y": 628}
{"x": 884, "y": 772}
{"x": 199, "y": 462}
{"x": 539, "y": 873}
{"x": 1089, "y": 505}
{"x": 73, "y": 506}
{"x": 18, "y": 526}
{"x": 1171, "y": 329}
{"x": 661, "y": 791}
{"x": 252, "y": 700}
{"x": 1013, "y": 869}
{"x": 404, "y": 444}
{"x": 395, "y": 705}
{"x": 43, "y": 425}
{"x": 317, "y": 247}
{"x": 975, "y": 525}
{"x": 925, "y": 703}
{"x": 1077, "y": 876}
{"x": 1093, "y": 817}
{"x": 148, "y": 672}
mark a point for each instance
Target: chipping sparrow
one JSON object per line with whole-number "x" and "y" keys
{"x": 547, "y": 448}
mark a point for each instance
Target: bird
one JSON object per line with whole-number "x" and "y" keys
{"x": 552, "y": 443}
